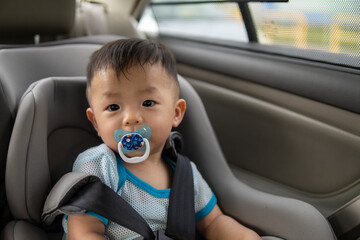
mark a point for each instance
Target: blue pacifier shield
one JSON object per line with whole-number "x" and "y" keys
{"x": 133, "y": 141}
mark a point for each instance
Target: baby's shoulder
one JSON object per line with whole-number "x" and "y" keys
{"x": 198, "y": 179}
{"x": 99, "y": 161}
{"x": 95, "y": 155}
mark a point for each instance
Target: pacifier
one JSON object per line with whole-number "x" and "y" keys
{"x": 133, "y": 141}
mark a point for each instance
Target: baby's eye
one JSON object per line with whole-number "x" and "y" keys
{"x": 113, "y": 107}
{"x": 148, "y": 103}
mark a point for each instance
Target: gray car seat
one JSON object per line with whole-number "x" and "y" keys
{"x": 19, "y": 67}
{"x": 51, "y": 129}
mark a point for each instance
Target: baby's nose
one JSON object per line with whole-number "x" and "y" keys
{"x": 132, "y": 117}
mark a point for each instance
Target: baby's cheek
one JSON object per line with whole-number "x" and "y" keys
{"x": 111, "y": 143}
{"x": 158, "y": 140}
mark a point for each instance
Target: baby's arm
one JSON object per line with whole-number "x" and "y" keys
{"x": 85, "y": 226}
{"x": 216, "y": 225}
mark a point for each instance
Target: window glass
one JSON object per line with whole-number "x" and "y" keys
{"x": 207, "y": 20}
{"x": 326, "y": 25}
{"x": 148, "y": 24}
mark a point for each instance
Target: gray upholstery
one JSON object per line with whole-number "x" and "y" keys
{"x": 269, "y": 214}
{"x": 19, "y": 67}
{"x": 20, "y": 20}
{"x": 51, "y": 129}
{"x": 51, "y": 123}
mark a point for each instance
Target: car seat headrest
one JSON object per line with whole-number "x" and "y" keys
{"x": 20, "y": 18}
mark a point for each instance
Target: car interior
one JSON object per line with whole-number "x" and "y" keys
{"x": 277, "y": 137}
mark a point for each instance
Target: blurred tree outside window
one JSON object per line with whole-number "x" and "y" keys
{"x": 326, "y": 25}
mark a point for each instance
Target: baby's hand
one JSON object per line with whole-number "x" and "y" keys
{"x": 216, "y": 225}
{"x": 85, "y": 226}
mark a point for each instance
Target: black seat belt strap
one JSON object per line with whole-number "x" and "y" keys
{"x": 100, "y": 199}
{"x": 181, "y": 211}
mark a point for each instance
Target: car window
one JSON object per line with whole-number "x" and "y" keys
{"x": 323, "y": 30}
{"x": 221, "y": 20}
{"x": 326, "y": 25}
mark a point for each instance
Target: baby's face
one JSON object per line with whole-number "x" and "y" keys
{"x": 146, "y": 96}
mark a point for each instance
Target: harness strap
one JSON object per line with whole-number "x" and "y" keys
{"x": 181, "y": 212}
{"x": 102, "y": 200}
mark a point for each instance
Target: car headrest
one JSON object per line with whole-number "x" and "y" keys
{"x": 28, "y": 18}
{"x": 21, "y": 67}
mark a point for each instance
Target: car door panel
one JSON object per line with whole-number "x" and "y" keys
{"x": 307, "y": 159}
{"x": 275, "y": 140}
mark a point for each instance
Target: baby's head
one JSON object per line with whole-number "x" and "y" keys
{"x": 123, "y": 54}
{"x": 131, "y": 83}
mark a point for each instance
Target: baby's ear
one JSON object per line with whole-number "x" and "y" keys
{"x": 180, "y": 108}
{"x": 90, "y": 115}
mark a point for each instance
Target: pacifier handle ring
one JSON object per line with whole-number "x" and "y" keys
{"x": 135, "y": 159}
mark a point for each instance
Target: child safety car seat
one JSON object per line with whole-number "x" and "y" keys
{"x": 19, "y": 67}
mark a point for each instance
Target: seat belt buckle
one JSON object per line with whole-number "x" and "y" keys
{"x": 160, "y": 235}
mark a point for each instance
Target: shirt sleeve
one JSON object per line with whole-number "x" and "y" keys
{"x": 101, "y": 162}
{"x": 205, "y": 199}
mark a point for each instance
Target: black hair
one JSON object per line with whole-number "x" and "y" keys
{"x": 120, "y": 55}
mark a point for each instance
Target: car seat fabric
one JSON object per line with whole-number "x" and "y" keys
{"x": 52, "y": 126}
{"x": 51, "y": 129}
{"x": 18, "y": 69}
{"x": 21, "y": 66}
